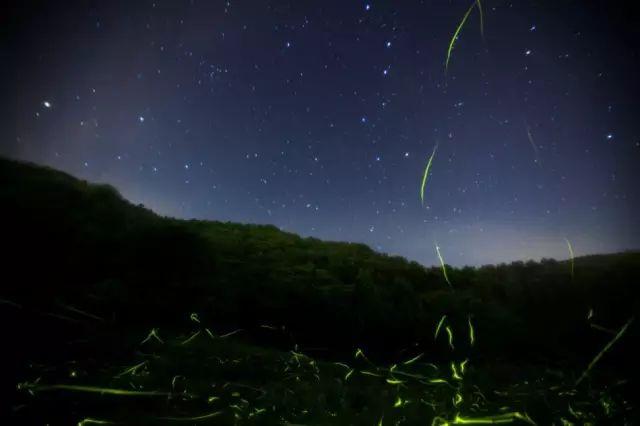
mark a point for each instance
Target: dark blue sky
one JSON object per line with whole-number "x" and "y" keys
{"x": 319, "y": 117}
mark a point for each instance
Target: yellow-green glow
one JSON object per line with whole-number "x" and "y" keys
{"x": 425, "y": 176}
{"x": 194, "y": 317}
{"x": 412, "y": 360}
{"x": 463, "y": 366}
{"x": 481, "y": 18}
{"x": 490, "y": 420}
{"x": 450, "y": 335}
{"x": 455, "y": 36}
{"x": 399, "y": 402}
{"x": 472, "y": 334}
{"x": 602, "y": 352}
{"x": 394, "y": 382}
{"x": 439, "y": 326}
{"x": 231, "y": 333}
{"x": 190, "y": 339}
{"x": 571, "y": 256}
{"x": 457, "y": 399}
{"x": 153, "y": 334}
{"x": 90, "y": 421}
{"x": 454, "y": 372}
{"x": 132, "y": 370}
{"x": 191, "y": 419}
{"x": 89, "y": 389}
{"x": 443, "y": 266}
{"x": 346, "y": 377}
{"x": 439, "y": 381}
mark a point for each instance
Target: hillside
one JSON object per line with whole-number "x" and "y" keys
{"x": 83, "y": 262}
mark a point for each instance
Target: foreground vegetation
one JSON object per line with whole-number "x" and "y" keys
{"x": 316, "y": 327}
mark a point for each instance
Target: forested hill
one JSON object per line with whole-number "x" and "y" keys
{"x": 72, "y": 243}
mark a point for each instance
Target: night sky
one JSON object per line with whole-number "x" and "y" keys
{"x": 319, "y": 117}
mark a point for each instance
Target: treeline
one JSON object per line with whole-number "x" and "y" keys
{"x": 71, "y": 243}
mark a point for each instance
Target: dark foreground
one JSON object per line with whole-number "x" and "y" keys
{"x": 111, "y": 314}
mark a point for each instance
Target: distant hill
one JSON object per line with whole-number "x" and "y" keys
{"x": 72, "y": 243}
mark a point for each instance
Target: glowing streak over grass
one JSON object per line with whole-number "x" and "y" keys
{"x": 571, "y": 256}
{"x": 463, "y": 366}
{"x": 454, "y": 372}
{"x": 10, "y": 303}
{"x": 89, "y": 389}
{"x": 439, "y": 326}
{"x": 455, "y": 36}
{"x": 395, "y": 381}
{"x": 450, "y": 335}
{"x": 90, "y": 421}
{"x": 231, "y": 333}
{"x": 602, "y": 352}
{"x": 472, "y": 334}
{"x": 153, "y": 334}
{"x": 439, "y": 382}
{"x": 346, "y": 377}
{"x": 83, "y": 313}
{"x": 132, "y": 370}
{"x": 194, "y": 317}
{"x": 490, "y": 420}
{"x": 400, "y": 402}
{"x": 191, "y": 419}
{"x": 425, "y": 176}
{"x": 412, "y": 360}
{"x": 361, "y": 354}
{"x": 457, "y": 400}
{"x": 443, "y": 266}
{"x": 190, "y": 339}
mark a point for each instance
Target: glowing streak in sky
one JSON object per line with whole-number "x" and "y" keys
{"x": 442, "y": 265}
{"x": 425, "y": 176}
{"x": 455, "y": 36}
{"x": 602, "y": 352}
{"x": 481, "y": 18}
{"x": 439, "y": 326}
{"x": 533, "y": 145}
{"x": 572, "y": 257}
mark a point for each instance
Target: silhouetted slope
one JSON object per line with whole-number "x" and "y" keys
{"x": 79, "y": 244}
